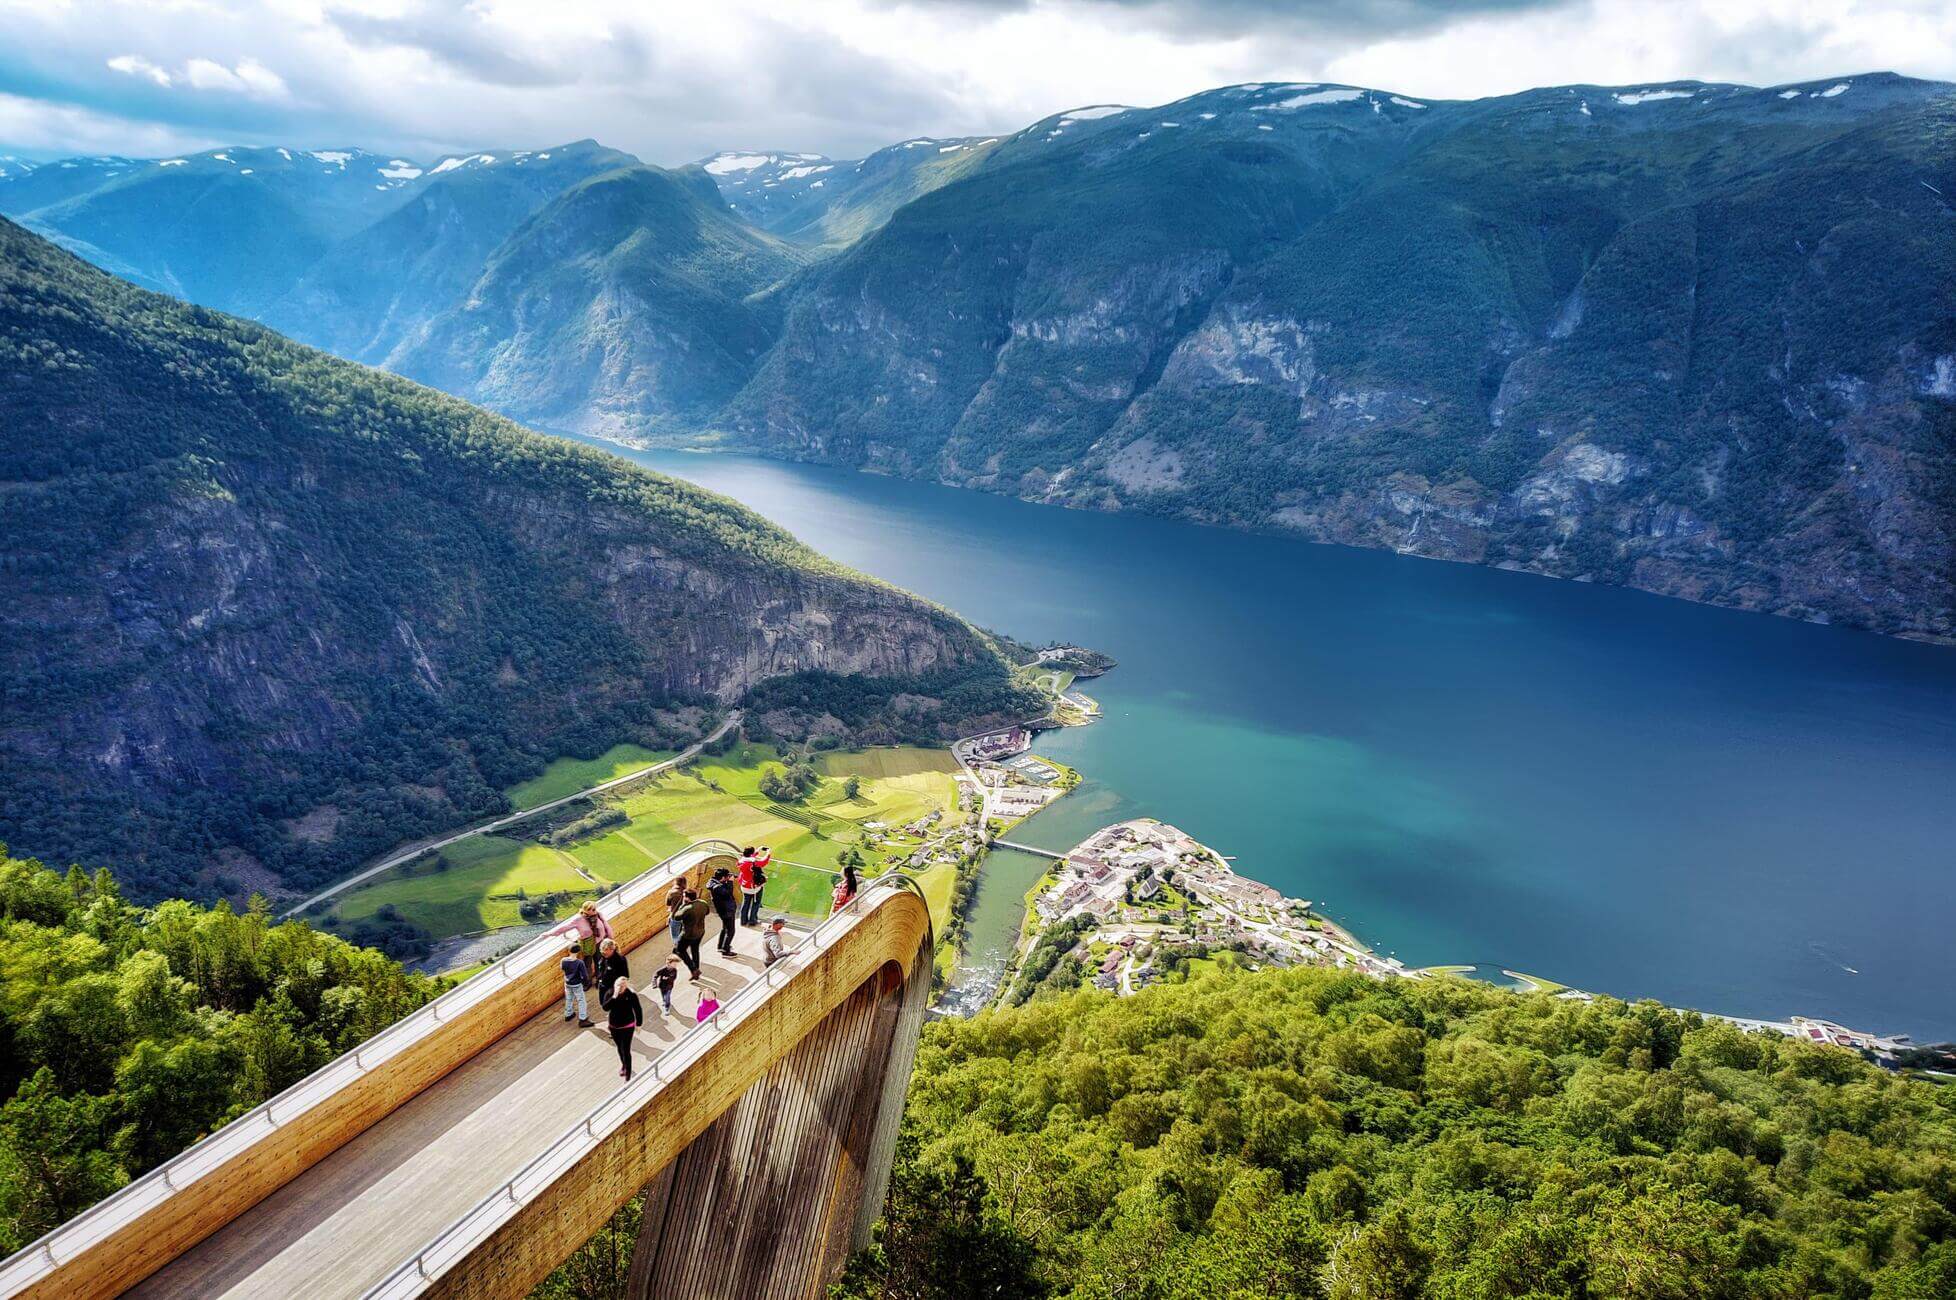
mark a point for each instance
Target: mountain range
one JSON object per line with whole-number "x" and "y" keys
{"x": 269, "y": 612}
{"x": 1695, "y": 338}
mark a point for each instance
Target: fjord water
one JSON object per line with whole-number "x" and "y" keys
{"x": 1626, "y": 793}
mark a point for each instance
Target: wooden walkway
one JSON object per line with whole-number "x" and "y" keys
{"x": 344, "y": 1224}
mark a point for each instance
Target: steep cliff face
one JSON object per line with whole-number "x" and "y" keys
{"x": 265, "y": 612}
{"x": 1696, "y": 339}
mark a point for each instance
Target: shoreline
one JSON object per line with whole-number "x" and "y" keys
{"x": 1102, "y": 887}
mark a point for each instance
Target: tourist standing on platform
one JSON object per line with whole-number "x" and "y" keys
{"x": 845, "y": 889}
{"x": 624, "y": 1016}
{"x": 667, "y": 976}
{"x": 612, "y": 967}
{"x": 575, "y": 976}
{"x": 708, "y": 1005}
{"x": 722, "y": 889}
{"x": 692, "y": 929}
{"x": 676, "y": 899}
{"x": 753, "y": 879}
{"x": 774, "y": 943}
{"x": 589, "y": 927}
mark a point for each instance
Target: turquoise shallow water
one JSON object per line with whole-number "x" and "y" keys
{"x": 1630, "y": 794}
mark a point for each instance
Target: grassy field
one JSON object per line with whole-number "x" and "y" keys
{"x": 478, "y": 890}
{"x": 569, "y": 775}
{"x": 713, "y": 798}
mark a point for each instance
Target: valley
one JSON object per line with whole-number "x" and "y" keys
{"x": 427, "y": 564}
{"x": 1586, "y": 331}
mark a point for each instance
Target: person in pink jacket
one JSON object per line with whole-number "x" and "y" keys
{"x": 589, "y": 927}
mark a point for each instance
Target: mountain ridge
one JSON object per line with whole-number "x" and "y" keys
{"x": 1315, "y": 309}
{"x": 1447, "y": 341}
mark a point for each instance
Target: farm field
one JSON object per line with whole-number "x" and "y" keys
{"x": 717, "y": 797}
{"x": 569, "y": 775}
{"x": 479, "y": 889}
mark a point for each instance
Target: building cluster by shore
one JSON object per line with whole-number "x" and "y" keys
{"x": 1142, "y": 896}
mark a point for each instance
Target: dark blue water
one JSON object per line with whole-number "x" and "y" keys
{"x": 1617, "y": 791}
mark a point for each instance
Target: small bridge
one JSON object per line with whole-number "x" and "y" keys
{"x": 1027, "y": 848}
{"x": 473, "y": 1146}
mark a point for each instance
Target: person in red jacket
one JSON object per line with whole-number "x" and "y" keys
{"x": 753, "y": 879}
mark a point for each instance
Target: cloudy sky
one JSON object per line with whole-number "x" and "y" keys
{"x": 672, "y": 80}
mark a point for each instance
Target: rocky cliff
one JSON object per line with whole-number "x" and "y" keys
{"x": 266, "y": 612}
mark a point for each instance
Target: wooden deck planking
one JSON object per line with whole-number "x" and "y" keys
{"x": 346, "y": 1222}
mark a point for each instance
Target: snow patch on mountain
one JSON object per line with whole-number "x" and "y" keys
{"x": 467, "y": 160}
{"x": 1092, "y": 112}
{"x": 1336, "y": 95}
{"x": 726, "y": 164}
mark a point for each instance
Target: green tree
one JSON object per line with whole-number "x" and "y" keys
{"x": 53, "y": 1158}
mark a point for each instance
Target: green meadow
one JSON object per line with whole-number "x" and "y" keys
{"x": 567, "y": 776}
{"x": 479, "y": 883}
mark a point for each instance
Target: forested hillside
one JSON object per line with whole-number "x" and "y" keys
{"x": 129, "y": 1034}
{"x": 268, "y": 613}
{"x": 1318, "y": 1134}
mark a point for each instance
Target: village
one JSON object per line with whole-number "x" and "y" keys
{"x": 1005, "y": 782}
{"x": 1139, "y": 896}
{"x": 1142, "y": 895}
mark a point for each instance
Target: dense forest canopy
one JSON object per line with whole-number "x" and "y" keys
{"x": 1318, "y": 1134}
{"x": 127, "y": 1033}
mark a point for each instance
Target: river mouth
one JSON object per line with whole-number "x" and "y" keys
{"x": 1619, "y": 792}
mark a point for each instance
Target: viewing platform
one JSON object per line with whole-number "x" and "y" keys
{"x": 471, "y": 1147}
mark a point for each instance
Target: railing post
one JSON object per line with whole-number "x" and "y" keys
{"x": 47, "y": 1248}
{"x": 166, "y": 1179}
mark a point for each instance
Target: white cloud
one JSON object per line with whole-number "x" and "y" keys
{"x": 1633, "y": 42}
{"x": 674, "y": 82}
{"x": 135, "y": 65}
{"x": 35, "y": 126}
{"x": 249, "y": 77}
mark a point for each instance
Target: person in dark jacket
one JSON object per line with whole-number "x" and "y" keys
{"x": 624, "y": 1016}
{"x": 692, "y": 929}
{"x": 611, "y": 969}
{"x": 667, "y": 976}
{"x": 725, "y": 906}
{"x": 575, "y": 977}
